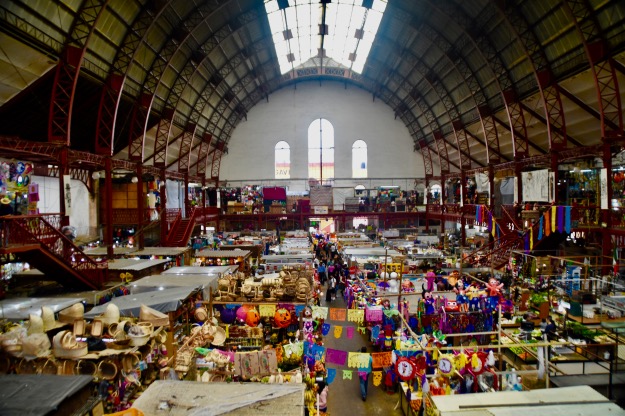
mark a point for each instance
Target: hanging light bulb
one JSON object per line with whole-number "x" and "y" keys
{"x": 95, "y": 175}
{"x": 134, "y": 179}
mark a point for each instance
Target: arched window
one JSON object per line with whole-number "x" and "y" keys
{"x": 321, "y": 150}
{"x": 359, "y": 159}
{"x": 283, "y": 160}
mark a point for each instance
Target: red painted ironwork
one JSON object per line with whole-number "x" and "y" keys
{"x": 202, "y": 155}
{"x": 34, "y": 230}
{"x": 517, "y": 123}
{"x": 441, "y": 146}
{"x": 217, "y": 153}
{"x": 462, "y": 142}
{"x": 105, "y": 124}
{"x": 136, "y": 132}
{"x": 162, "y": 137}
{"x": 184, "y": 153}
{"x": 427, "y": 158}
{"x": 554, "y": 111}
{"x": 490, "y": 134}
{"x": 603, "y": 71}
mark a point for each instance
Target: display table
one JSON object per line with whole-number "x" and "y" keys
{"x": 408, "y": 406}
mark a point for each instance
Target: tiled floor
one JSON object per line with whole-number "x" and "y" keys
{"x": 344, "y": 395}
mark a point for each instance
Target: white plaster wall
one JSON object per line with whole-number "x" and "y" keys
{"x": 83, "y": 205}
{"x": 352, "y": 112}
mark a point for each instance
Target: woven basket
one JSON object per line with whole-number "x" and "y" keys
{"x": 86, "y": 368}
{"x": 47, "y": 367}
{"x": 26, "y": 367}
{"x": 107, "y": 370}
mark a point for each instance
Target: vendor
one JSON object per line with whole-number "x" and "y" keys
{"x": 550, "y": 329}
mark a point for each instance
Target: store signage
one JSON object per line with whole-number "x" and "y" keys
{"x": 320, "y": 209}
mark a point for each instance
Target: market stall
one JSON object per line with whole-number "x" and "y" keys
{"x": 130, "y": 269}
{"x": 102, "y": 252}
{"x": 222, "y": 399}
{"x": 239, "y": 258}
{"x": 180, "y": 255}
{"x": 162, "y": 282}
{"x": 17, "y": 309}
{"x": 204, "y": 270}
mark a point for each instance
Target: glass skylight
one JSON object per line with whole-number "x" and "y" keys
{"x": 346, "y": 38}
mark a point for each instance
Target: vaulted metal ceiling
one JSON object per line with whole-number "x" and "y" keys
{"x": 166, "y": 82}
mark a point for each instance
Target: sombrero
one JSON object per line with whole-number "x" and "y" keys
{"x": 5, "y": 201}
{"x": 73, "y": 313}
{"x": 49, "y": 321}
{"x": 35, "y": 325}
{"x": 110, "y": 315}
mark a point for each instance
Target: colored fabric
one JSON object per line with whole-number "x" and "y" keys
{"x": 567, "y": 219}
{"x": 356, "y": 315}
{"x": 338, "y": 314}
{"x": 526, "y": 242}
{"x": 319, "y": 312}
{"x": 540, "y": 228}
{"x": 338, "y": 330}
{"x": 373, "y": 314}
{"x": 547, "y": 223}
{"x": 561, "y": 219}
{"x": 532, "y": 238}
{"x": 381, "y": 359}
{"x": 350, "y": 332}
{"x": 553, "y": 218}
{"x": 299, "y": 309}
{"x": 360, "y": 360}
{"x": 267, "y": 311}
{"x": 377, "y": 378}
{"x": 331, "y": 375}
{"x": 318, "y": 352}
{"x": 337, "y": 357}
{"x": 347, "y": 374}
{"x": 325, "y": 329}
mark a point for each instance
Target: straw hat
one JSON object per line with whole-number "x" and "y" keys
{"x": 5, "y": 201}
{"x": 110, "y": 315}
{"x": 49, "y": 322}
{"x": 35, "y": 325}
{"x": 157, "y": 318}
{"x": 219, "y": 337}
{"x": 73, "y": 313}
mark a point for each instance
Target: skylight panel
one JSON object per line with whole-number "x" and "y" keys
{"x": 347, "y": 33}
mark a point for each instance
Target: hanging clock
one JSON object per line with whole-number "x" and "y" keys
{"x": 477, "y": 363}
{"x": 405, "y": 368}
{"x": 445, "y": 365}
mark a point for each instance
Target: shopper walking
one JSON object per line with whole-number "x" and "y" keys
{"x": 322, "y": 396}
{"x": 363, "y": 376}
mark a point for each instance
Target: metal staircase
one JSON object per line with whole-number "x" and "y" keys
{"x": 180, "y": 231}
{"x": 33, "y": 239}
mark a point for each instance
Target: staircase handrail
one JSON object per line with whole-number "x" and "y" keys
{"x": 34, "y": 229}
{"x": 173, "y": 227}
{"x": 510, "y": 217}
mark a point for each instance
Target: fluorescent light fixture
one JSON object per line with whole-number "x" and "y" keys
{"x": 351, "y": 29}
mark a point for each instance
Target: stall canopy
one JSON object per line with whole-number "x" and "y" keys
{"x": 205, "y": 270}
{"x": 166, "y": 300}
{"x": 37, "y": 395}
{"x": 21, "y": 308}
{"x": 161, "y": 282}
{"x": 222, "y": 399}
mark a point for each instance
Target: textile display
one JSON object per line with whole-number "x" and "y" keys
{"x": 350, "y": 332}
{"x": 337, "y": 357}
{"x": 246, "y": 364}
{"x": 547, "y": 223}
{"x": 377, "y": 378}
{"x": 267, "y": 311}
{"x": 268, "y": 361}
{"x": 337, "y": 314}
{"x": 318, "y": 352}
{"x": 325, "y": 329}
{"x": 373, "y": 314}
{"x": 382, "y": 359}
{"x": 338, "y": 330}
{"x": 356, "y": 315}
{"x": 358, "y": 359}
{"x": 331, "y": 375}
{"x": 320, "y": 312}
{"x": 347, "y": 374}
{"x": 299, "y": 309}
